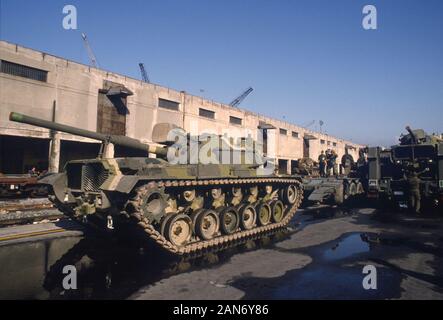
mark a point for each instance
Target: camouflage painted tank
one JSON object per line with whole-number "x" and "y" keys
{"x": 184, "y": 208}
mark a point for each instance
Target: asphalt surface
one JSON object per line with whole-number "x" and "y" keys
{"x": 321, "y": 256}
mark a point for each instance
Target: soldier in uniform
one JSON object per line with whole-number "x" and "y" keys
{"x": 413, "y": 184}
{"x": 322, "y": 163}
{"x": 328, "y": 162}
{"x": 347, "y": 162}
{"x": 333, "y": 160}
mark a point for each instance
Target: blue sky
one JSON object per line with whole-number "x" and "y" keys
{"x": 306, "y": 60}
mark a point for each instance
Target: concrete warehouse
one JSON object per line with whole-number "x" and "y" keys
{"x": 53, "y": 88}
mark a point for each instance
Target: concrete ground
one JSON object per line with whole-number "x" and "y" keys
{"x": 322, "y": 256}
{"x": 325, "y": 260}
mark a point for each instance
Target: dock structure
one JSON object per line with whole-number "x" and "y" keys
{"x": 57, "y": 89}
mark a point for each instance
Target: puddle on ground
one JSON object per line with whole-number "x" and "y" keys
{"x": 334, "y": 273}
{"x": 105, "y": 269}
{"x": 348, "y": 246}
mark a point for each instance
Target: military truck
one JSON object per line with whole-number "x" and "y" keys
{"x": 185, "y": 208}
{"x": 388, "y": 169}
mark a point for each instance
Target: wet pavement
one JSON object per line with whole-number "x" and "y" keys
{"x": 320, "y": 256}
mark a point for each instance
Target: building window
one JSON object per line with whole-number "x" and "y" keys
{"x": 322, "y": 141}
{"x": 206, "y": 113}
{"x": 294, "y": 134}
{"x": 283, "y": 131}
{"x": 235, "y": 120}
{"x": 168, "y": 104}
{"x": 329, "y": 143}
{"x": 334, "y": 144}
{"x": 23, "y": 71}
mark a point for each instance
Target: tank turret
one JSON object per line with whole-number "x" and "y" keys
{"x": 419, "y": 136}
{"x": 412, "y": 135}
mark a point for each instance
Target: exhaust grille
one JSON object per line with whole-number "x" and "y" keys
{"x": 93, "y": 176}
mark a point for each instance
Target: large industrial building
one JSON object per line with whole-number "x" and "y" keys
{"x": 53, "y": 88}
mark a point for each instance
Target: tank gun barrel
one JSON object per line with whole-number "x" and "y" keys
{"x": 412, "y": 134}
{"x": 115, "y": 139}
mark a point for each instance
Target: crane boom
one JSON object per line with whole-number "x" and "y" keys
{"x": 143, "y": 72}
{"x": 309, "y": 124}
{"x": 89, "y": 50}
{"x": 236, "y": 102}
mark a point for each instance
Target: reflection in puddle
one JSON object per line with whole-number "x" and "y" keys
{"x": 346, "y": 247}
{"x": 105, "y": 269}
{"x": 327, "y": 212}
{"x": 334, "y": 273}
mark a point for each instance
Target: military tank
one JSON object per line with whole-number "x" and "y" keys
{"x": 183, "y": 208}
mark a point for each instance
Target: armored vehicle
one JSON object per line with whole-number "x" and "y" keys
{"x": 418, "y": 153}
{"x": 185, "y": 208}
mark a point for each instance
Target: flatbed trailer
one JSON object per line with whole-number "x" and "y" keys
{"x": 16, "y": 185}
{"x": 332, "y": 190}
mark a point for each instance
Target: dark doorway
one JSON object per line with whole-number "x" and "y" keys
{"x": 282, "y": 166}
{"x": 20, "y": 154}
{"x": 294, "y": 164}
{"x": 74, "y": 150}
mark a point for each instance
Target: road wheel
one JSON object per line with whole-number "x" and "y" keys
{"x": 264, "y": 213}
{"x": 248, "y": 216}
{"x": 290, "y": 194}
{"x": 178, "y": 229}
{"x": 207, "y": 224}
{"x": 164, "y": 222}
{"x": 229, "y": 220}
{"x": 278, "y": 210}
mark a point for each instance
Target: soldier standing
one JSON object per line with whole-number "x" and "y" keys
{"x": 328, "y": 162}
{"x": 322, "y": 163}
{"x": 334, "y": 157}
{"x": 347, "y": 162}
{"x": 413, "y": 183}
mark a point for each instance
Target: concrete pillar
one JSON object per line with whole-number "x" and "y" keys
{"x": 54, "y": 146}
{"x": 54, "y": 153}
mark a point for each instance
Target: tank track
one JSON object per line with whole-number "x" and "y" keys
{"x": 219, "y": 242}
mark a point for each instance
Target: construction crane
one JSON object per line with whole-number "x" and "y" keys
{"x": 236, "y": 102}
{"x": 89, "y": 50}
{"x": 309, "y": 124}
{"x": 143, "y": 72}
